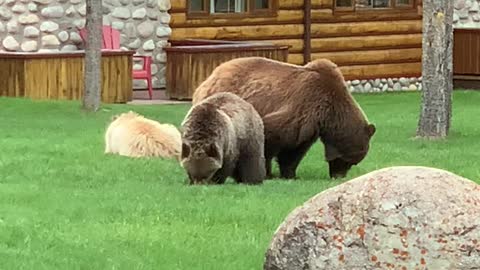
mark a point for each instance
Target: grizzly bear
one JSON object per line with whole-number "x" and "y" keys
{"x": 298, "y": 104}
{"x": 223, "y": 137}
{"x": 130, "y": 134}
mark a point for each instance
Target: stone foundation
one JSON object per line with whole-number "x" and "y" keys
{"x": 466, "y": 14}
{"x": 52, "y": 25}
{"x": 385, "y": 85}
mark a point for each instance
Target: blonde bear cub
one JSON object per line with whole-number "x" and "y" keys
{"x": 131, "y": 134}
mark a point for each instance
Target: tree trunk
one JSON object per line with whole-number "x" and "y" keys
{"x": 93, "y": 56}
{"x": 437, "y": 71}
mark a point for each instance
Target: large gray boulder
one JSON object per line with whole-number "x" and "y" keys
{"x": 394, "y": 218}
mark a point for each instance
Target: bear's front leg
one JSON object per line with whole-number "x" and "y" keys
{"x": 251, "y": 170}
{"x": 220, "y": 177}
{"x": 288, "y": 160}
{"x": 338, "y": 168}
{"x": 288, "y": 163}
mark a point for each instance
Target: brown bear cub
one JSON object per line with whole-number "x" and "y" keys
{"x": 298, "y": 105}
{"x": 223, "y": 137}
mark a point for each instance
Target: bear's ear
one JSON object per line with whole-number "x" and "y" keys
{"x": 371, "y": 130}
{"x": 212, "y": 151}
{"x": 185, "y": 150}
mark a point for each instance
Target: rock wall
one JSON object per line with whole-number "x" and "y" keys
{"x": 385, "y": 85}
{"x": 52, "y": 25}
{"x": 467, "y": 14}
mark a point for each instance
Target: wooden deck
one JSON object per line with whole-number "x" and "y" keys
{"x": 60, "y": 75}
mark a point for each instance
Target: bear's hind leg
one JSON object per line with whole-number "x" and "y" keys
{"x": 251, "y": 170}
{"x": 270, "y": 153}
{"x": 288, "y": 160}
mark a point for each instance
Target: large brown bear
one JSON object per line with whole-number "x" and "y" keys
{"x": 223, "y": 137}
{"x": 298, "y": 104}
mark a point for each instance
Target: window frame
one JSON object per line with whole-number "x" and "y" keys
{"x": 392, "y": 9}
{"x": 251, "y": 11}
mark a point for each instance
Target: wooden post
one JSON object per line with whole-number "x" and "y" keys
{"x": 437, "y": 70}
{"x": 307, "y": 21}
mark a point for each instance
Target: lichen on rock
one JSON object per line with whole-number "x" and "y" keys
{"x": 394, "y": 218}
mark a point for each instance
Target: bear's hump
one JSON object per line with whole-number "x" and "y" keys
{"x": 324, "y": 66}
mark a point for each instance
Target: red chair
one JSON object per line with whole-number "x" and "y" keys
{"x": 111, "y": 41}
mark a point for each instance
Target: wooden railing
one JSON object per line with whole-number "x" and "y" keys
{"x": 190, "y": 62}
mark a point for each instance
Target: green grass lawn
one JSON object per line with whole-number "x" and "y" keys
{"x": 66, "y": 205}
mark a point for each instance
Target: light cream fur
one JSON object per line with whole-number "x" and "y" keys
{"x": 131, "y": 134}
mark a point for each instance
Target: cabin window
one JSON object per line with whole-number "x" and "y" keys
{"x": 359, "y": 5}
{"x": 372, "y": 4}
{"x": 262, "y": 4}
{"x": 404, "y": 2}
{"x": 197, "y": 5}
{"x": 229, "y": 7}
{"x": 344, "y": 3}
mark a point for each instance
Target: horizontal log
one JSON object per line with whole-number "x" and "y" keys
{"x": 365, "y": 28}
{"x": 366, "y": 43}
{"x": 179, "y": 20}
{"x": 327, "y": 15}
{"x": 370, "y": 71}
{"x": 322, "y": 3}
{"x": 295, "y": 58}
{"x": 372, "y": 57}
{"x": 382, "y": 71}
{"x": 338, "y": 44}
{"x": 288, "y": 16}
{"x": 296, "y": 45}
{"x": 289, "y": 31}
{"x": 321, "y": 14}
{"x": 290, "y": 4}
{"x": 261, "y": 32}
{"x": 224, "y": 48}
{"x": 178, "y": 5}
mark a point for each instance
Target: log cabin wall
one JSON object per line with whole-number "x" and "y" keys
{"x": 283, "y": 28}
{"x": 375, "y": 44}
{"x": 368, "y": 43}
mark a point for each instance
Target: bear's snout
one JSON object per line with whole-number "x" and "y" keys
{"x": 339, "y": 168}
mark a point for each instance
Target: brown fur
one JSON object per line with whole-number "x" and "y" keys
{"x": 132, "y": 135}
{"x": 223, "y": 137}
{"x": 298, "y": 104}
